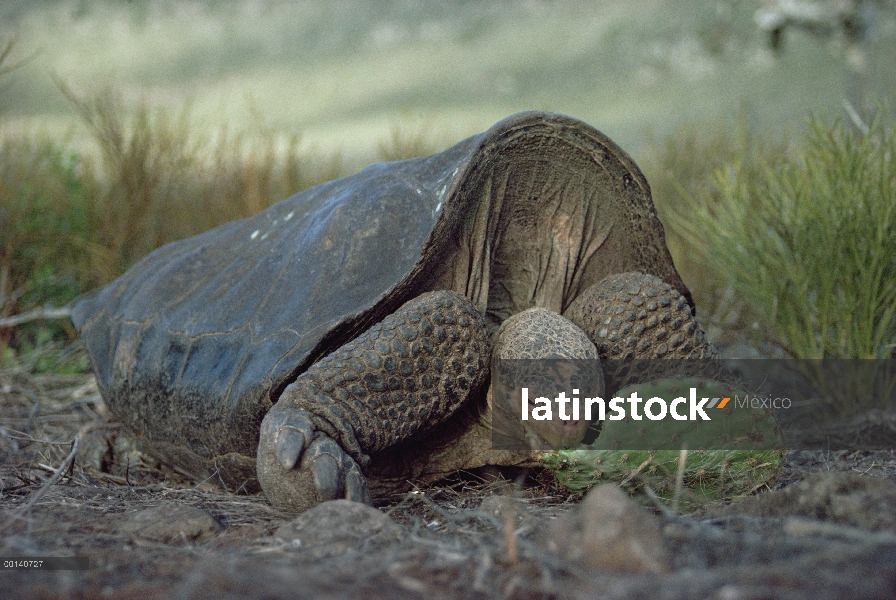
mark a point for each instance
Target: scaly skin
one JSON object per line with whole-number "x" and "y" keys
{"x": 411, "y": 372}
{"x": 635, "y": 316}
{"x": 638, "y": 317}
{"x": 397, "y": 380}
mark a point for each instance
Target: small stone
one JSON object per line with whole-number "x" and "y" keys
{"x": 610, "y": 532}
{"x": 339, "y": 526}
{"x": 171, "y": 523}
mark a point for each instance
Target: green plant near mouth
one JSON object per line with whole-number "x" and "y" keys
{"x": 809, "y": 243}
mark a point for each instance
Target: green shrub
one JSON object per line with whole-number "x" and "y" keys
{"x": 45, "y": 252}
{"x": 682, "y": 170}
{"x": 807, "y": 241}
{"x": 43, "y": 223}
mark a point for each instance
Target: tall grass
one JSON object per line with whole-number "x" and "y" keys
{"x": 160, "y": 179}
{"x": 409, "y": 139}
{"x": 42, "y": 227}
{"x": 806, "y": 241}
{"x": 683, "y": 170}
{"x": 43, "y": 221}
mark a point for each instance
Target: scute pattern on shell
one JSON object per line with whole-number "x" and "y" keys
{"x": 402, "y": 376}
{"x": 638, "y": 316}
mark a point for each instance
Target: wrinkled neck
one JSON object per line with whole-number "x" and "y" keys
{"x": 544, "y": 218}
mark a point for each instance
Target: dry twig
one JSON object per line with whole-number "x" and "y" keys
{"x": 57, "y": 475}
{"x": 36, "y": 315}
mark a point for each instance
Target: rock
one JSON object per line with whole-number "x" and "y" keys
{"x": 339, "y": 526}
{"x": 170, "y": 523}
{"x": 499, "y": 506}
{"x": 610, "y": 532}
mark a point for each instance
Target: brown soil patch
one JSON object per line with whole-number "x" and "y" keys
{"x": 826, "y": 531}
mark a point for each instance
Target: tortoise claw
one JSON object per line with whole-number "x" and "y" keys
{"x": 291, "y": 431}
{"x": 327, "y": 472}
{"x": 356, "y": 486}
{"x": 336, "y": 474}
{"x": 290, "y": 444}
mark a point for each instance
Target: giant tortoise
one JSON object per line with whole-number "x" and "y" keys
{"x": 340, "y": 338}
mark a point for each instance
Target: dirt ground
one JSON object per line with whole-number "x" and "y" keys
{"x": 826, "y": 529}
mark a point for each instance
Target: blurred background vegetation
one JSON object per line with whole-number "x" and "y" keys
{"x": 128, "y": 124}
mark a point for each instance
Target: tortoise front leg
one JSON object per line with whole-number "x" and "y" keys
{"x": 400, "y": 378}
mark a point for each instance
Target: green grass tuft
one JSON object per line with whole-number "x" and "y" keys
{"x": 682, "y": 171}
{"x": 805, "y": 240}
